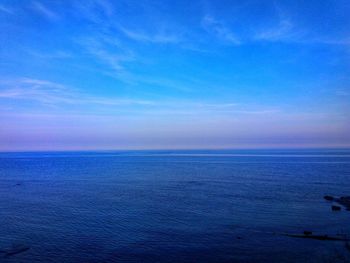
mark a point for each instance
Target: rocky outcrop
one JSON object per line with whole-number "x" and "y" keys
{"x": 343, "y": 201}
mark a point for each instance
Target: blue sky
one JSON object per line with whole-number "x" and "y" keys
{"x": 103, "y": 74}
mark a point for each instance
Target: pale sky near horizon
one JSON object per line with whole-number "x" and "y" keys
{"x": 127, "y": 74}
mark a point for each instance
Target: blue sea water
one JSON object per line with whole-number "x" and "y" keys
{"x": 173, "y": 206}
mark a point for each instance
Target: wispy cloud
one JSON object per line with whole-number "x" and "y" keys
{"x": 329, "y": 41}
{"x": 342, "y": 92}
{"x": 219, "y": 30}
{"x": 115, "y": 55}
{"x": 287, "y": 30}
{"x": 6, "y": 10}
{"x": 152, "y": 38}
{"x": 282, "y": 31}
{"x": 106, "y": 41}
{"x": 56, "y": 95}
{"x": 108, "y": 51}
{"x": 101, "y": 42}
{"x": 106, "y": 6}
{"x": 164, "y": 83}
{"x": 52, "y": 93}
{"x": 45, "y": 11}
{"x": 59, "y": 54}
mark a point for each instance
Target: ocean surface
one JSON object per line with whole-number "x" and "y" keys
{"x": 173, "y": 206}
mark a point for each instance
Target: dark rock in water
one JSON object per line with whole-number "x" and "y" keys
{"x": 328, "y": 197}
{"x": 15, "y": 249}
{"x": 307, "y": 232}
{"x": 336, "y": 208}
{"x": 319, "y": 237}
{"x": 347, "y": 245}
{"x": 239, "y": 237}
{"x": 344, "y": 201}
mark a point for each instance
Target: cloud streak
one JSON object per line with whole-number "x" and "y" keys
{"x": 45, "y": 11}
{"x": 48, "y": 93}
{"x": 6, "y": 10}
{"x": 151, "y": 38}
{"x": 110, "y": 52}
{"x": 287, "y": 31}
{"x": 52, "y": 93}
{"x": 282, "y": 32}
{"x": 221, "y": 31}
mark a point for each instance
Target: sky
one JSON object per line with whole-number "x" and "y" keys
{"x": 127, "y": 74}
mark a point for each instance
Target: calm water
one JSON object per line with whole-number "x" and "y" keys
{"x": 173, "y": 206}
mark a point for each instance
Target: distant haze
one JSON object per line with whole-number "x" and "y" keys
{"x": 103, "y": 74}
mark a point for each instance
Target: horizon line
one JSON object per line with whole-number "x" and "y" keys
{"x": 347, "y": 147}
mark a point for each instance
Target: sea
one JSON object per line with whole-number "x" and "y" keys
{"x": 173, "y": 206}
